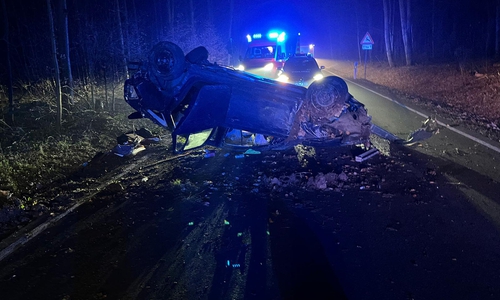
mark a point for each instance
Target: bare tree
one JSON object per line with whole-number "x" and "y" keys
{"x": 9, "y": 65}
{"x": 63, "y": 53}
{"x": 87, "y": 44}
{"x": 126, "y": 29}
{"x": 55, "y": 64}
{"x": 137, "y": 44}
{"x": 122, "y": 42}
{"x": 25, "y": 36}
{"x": 406, "y": 29}
{"x": 388, "y": 31}
{"x": 358, "y": 36}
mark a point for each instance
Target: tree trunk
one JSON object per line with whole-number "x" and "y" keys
{"x": 9, "y": 65}
{"x": 126, "y": 29}
{"x": 113, "y": 87}
{"x": 105, "y": 78}
{"x": 26, "y": 43}
{"x": 387, "y": 32}
{"x": 136, "y": 26}
{"x": 122, "y": 43}
{"x": 56, "y": 64}
{"x": 405, "y": 14}
{"x": 358, "y": 37}
{"x": 63, "y": 53}
{"x": 85, "y": 26}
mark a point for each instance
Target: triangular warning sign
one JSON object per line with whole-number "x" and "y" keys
{"x": 367, "y": 39}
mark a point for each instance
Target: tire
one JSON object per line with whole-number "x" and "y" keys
{"x": 328, "y": 92}
{"x": 167, "y": 60}
{"x": 197, "y": 55}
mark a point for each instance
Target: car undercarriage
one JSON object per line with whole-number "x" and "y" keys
{"x": 202, "y": 103}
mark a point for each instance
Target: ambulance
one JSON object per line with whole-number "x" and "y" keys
{"x": 265, "y": 54}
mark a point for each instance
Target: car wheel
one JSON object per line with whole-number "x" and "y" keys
{"x": 197, "y": 55}
{"x": 329, "y": 92}
{"x": 167, "y": 60}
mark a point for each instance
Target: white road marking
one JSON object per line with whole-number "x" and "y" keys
{"x": 492, "y": 147}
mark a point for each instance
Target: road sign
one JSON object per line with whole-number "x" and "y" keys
{"x": 366, "y": 44}
{"x": 367, "y": 40}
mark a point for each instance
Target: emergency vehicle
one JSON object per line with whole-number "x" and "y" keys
{"x": 265, "y": 54}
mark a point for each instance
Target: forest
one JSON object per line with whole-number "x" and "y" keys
{"x": 91, "y": 43}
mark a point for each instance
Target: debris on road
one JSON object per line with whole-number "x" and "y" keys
{"x": 366, "y": 155}
{"x": 131, "y": 143}
{"x": 209, "y": 153}
{"x": 251, "y": 151}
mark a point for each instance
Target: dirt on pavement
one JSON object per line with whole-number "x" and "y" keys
{"x": 315, "y": 220}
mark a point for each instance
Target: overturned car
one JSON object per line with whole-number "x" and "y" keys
{"x": 202, "y": 103}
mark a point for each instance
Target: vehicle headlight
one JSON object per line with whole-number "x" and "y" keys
{"x": 240, "y": 67}
{"x": 318, "y": 77}
{"x": 269, "y": 67}
{"x": 283, "y": 78}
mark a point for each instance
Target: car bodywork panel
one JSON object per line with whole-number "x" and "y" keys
{"x": 206, "y": 104}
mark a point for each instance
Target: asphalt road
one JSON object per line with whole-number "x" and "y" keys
{"x": 467, "y": 158}
{"x": 419, "y": 224}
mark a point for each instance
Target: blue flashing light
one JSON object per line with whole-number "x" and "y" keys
{"x": 276, "y": 35}
{"x": 282, "y": 37}
{"x": 273, "y": 35}
{"x": 249, "y": 38}
{"x": 257, "y": 36}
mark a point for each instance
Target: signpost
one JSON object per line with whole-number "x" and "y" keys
{"x": 366, "y": 44}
